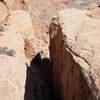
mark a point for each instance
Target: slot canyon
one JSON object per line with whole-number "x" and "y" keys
{"x": 49, "y": 49}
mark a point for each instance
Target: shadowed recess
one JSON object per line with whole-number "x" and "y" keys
{"x": 39, "y": 81}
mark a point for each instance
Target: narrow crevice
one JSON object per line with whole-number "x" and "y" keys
{"x": 39, "y": 81}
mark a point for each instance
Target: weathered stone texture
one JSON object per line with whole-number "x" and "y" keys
{"x": 12, "y": 78}
{"x": 74, "y": 51}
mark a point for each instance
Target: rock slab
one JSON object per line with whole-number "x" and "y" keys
{"x": 74, "y": 51}
{"x": 12, "y": 55}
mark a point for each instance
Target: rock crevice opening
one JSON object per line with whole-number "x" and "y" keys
{"x": 39, "y": 81}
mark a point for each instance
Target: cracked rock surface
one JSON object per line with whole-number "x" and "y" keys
{"x": 74, "y": 51}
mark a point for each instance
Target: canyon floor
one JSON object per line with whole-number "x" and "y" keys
{"x": 49, "y": 49}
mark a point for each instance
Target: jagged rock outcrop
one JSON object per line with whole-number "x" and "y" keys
{"x": 18, "y": 47}
{"x": 42, "y": 12}
{"x": 74, "y": 51}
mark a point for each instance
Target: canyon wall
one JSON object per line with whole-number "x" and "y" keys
{"x": 25, "y": 65}
{"x": 12, "y": 55}
{"x": 74, "y": 52}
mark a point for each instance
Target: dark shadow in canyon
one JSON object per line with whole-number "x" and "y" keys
{"x": 40, "y": 84}
{"x": 39, "y": 81}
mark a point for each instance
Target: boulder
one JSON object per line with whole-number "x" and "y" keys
{"x": 42, "y": 12}
{"x": 74, "y": 51}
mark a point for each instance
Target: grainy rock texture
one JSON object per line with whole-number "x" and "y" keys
{"x": 12, "y": 66}
{"x": 4, "y": 12}
{"x": 12, "y": 55}
{"x": 42, "y": 12}
{"x": 26, "y": 71}
{"x": 74, "y": 51}
{"x": 12, "y": 78}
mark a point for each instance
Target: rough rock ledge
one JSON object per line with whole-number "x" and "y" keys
{"x": 74, "y": 51}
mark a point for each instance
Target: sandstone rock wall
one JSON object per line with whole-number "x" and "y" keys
{"x": 15, "y": 4}
{"x": 12, "y": 55}
{"x": 23, "y": 75}
{"x": 12, "y": 66}
{"x": 12, "y": 78}
{"x": 74, "y": 51}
